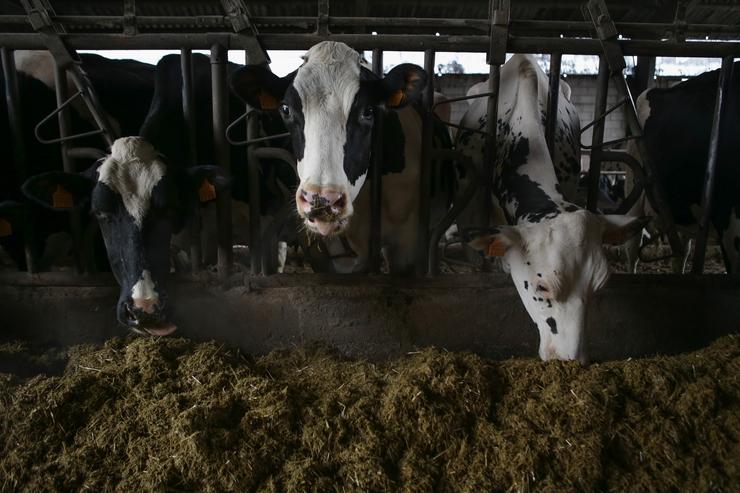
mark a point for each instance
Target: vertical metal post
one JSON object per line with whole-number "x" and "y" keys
{"x": 255, "y": 199}
{"x": 552, "y": 101}
{"x": 425, "y": 178}
{"x": 191, "y": 152}
{"x": 60, "y": 85}
{"x": 597, "y": 137}
{"x": 489, "y": 149}
{"x": 220, "y": 97}
{"x": 376, "y": 179}
{"x": 707, "y": 196}
{"x": 15, "y": 120}
{"x": 644, "y": 74}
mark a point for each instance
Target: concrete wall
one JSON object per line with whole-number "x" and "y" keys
{"x": 382, "y": 316}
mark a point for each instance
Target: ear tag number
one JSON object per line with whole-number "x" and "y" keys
{"x": 5, "y": 228}
{"x": 207, "y": 191}
{"x": 62, "y": 199}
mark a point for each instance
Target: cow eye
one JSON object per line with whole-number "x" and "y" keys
{"x": 369, "y": 113}
{"x": 285, "y": 110}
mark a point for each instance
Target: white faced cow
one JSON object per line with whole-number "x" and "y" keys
{"x": 552, "y": 248}
{"x": 329, "y": 106}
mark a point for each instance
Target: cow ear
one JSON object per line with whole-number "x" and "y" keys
{"x": 495, "y": 242}
{"x": 619, "y": 228}
{"x": 59, "y": 191}
{"x": 403, "y": 85}
{"x": 257, "y": 86}
{"x": 208, "y": 181}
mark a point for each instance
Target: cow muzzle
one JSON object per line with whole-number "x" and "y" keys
{"x": 325, "y": 211}
{"x": 146, "y": 316}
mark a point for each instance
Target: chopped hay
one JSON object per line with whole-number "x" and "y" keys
{"x": 170, "y": 414}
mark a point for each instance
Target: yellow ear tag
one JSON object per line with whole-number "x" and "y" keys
{"x": 496, "y": 248}
{"x": 62, "y": 199}
{"x": 5, "y": 228}
{"x": 395, "y": 99}
{"x": 207, "y": 191}
{"x": 267, "y": 100}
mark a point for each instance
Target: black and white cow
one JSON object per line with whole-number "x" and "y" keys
{"x": 551, "y": 247}
{"x": 676, "y": 125}
{"x": 329, "y": 105}
{"x": 125, "y": 89}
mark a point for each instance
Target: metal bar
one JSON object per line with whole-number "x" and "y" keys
{"x": 603, "y": 116}
{"x": 610, "y": 143}
{"x": 322, "y": 19}
{"x": 85, "y": 153}
{"x": 458, "y": 43}
{"x": 220, "y": 95}
{"x": 191, "y": 152}
{"x": 707, "y": 196}
{"x": 425, "y": 175}
{"x": 517, "y": 27}
{"x": 637, "y": 174}
{"x": 253, "y": 190}
{"x": 75, "y": 221}
{"x": 15, "y": 121}
{"x": 490, "y": 144}
{"x": 597, "y": 137}
{"x": 376, "y": 179}
{"x": 458, "y": 205}
{"x": 552, "y": 101}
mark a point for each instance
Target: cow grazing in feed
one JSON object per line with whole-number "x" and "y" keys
{"x": 551, "y": 247}
{"x": 676, "y": 124}
{"x": 329, "y": 105}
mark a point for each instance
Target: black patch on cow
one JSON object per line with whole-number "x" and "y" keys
{"x": 539, "y": 275}
{"x": 549, "y": 304}
{"x": 359, "y": 131}
{"x": 394, "y": 144}
{"x": 295, "y": 121}
{"x": 511, "y": 186}
{"x": 553, "y": 325}
{"x": 526, "y": 285}
{"x": 534, "y": 298}
{"x": 736, "y": 242}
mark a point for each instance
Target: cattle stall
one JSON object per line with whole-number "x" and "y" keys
{"x": 185, "y": 304}
{"x": 389, "y": 314}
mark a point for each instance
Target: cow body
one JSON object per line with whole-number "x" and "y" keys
{"x": 551, "y": 247}
{"x": 676, "y": 126}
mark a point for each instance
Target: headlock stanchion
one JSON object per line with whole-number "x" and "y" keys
{"x": 707, "y": 202}
{"x": 376, "y": 180}
{"x": 425, "y": 176}
{"x": 191, "y": 154}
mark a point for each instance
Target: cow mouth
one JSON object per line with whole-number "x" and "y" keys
{"x": 149, "y": 326}
{"x": 327, "y": 228}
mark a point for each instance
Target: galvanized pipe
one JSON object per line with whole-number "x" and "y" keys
{"x": 490, "y": 144}
{"x": 220, "y": 95}
{"x": 597, "y": 137}
{"x": 15, "y": 121}
{"x": 75, "y": 221}
{"x": 376, "y": 179}
{"x": 253, "y": 190}
{"x": 458, "y": 43}
{"x": 707, "y": 196}
{"x": 425, "y": 175}
{"x": 191, "y": 152}
{"x": 552, "y": 102}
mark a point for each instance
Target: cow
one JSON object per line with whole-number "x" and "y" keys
{"x": 125, "y": 91}
{"x": 551, "y": 247}
{"x": 329, "y": 105}
{"x": 676, "y": 125}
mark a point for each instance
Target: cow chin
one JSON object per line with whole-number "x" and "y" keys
{"x": 327, "y": 228}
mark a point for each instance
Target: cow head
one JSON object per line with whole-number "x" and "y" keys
{"x": 328, "y": 106}
{"x": 137, "y": 207}
{"x": 557, "y": 265}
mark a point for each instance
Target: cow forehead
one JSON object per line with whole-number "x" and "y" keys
{"x": 132, "y": 170}
{"x": 331, "y": 72}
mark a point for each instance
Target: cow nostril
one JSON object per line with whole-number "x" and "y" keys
{"x": 340, "y": 202}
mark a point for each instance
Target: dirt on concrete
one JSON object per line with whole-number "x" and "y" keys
{"x": 152, "y": 414}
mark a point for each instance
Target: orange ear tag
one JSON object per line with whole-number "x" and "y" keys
{"x": 5, "y": 228}
{"x": 395, "y": 99}
{"x": 267, "y": 100}
{"x": 496, "y": 248}
{"x": 207, "y": 191}
{"x": 62, "y": 199}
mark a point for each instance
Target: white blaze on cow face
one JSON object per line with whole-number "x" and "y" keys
{"x": 132, "y": 170}
{"x": 326, "y": 84}
{"x": 143, "y": 294}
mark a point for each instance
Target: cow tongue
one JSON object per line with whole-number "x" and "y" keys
{"x": 162, "y": 330}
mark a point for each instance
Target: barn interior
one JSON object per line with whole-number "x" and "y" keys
{"x": 454, "y": 300}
